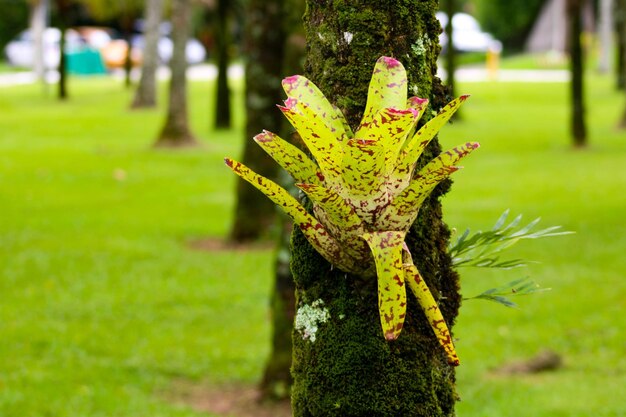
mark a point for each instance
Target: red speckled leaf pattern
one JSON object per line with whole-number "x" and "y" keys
{"x": 404, "y": 207}
{"x": 388, "y": 88}
{"x": 415, "y": 146}
{"x": 431, "y": 310}
{"x": 319, "y": 139}
{"x": 292, "y": 159}
{"x": 387, "y": 250}
{"x": 363, "y": 171}
{"x": 303, "y": 90}
{"x": 365, "y": 194}
{"x": 314, "y": 231}
{"x": 338, "y": 216}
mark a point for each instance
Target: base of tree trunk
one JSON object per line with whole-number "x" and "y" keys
{"x": 187, "y": 141}
{"x": 138, "y": 104}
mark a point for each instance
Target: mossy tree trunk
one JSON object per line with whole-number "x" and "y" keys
{"x": 578, "y": 126}
{"x": 222, "y": 45}
{"x": 176, "y": 132}
{"x": 145, "y": 95}
{"x": 264, "y": 43}
{"x": 350, "y": 369}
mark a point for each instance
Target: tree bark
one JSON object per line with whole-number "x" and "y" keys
{"x": 277, "y": 380}
{"x": 450, "y": 9}
{"x": 350, "y": 369}
{"x": 606, "y": 34}
{"x": 578, "y": 127}
{"x": 620, "y": 25}
{"x": 265, "y": 37}
{"x": 222, "y": 45}
{"x": 622, "y": 37}
{"x": 63, "y": 9}
{"x": 145, "y": 95}
{"x": 38, "y": 16}
{"x": 176, "y": 132}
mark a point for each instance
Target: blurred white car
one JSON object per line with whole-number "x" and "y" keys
{"x": 194, "y": 51}
{"x": 21, "y": 51}
{"x": 467, "y": 36}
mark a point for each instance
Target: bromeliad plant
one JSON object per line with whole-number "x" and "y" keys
{"x": 363, "y": 185}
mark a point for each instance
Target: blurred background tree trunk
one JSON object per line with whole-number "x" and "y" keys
{"x": 264, "y": 46}
{"x": 450, "y": 7}
{"x": 620, "y": 23}
{"x": 351, "y": 370}
{"x": 277, "y": 380}
{"x": 145, "y": 95}
{"x": 38, "y": 17}
{"x": 63, "y": 10}
{"x": 622, "y": 36}
{"x": 176, "y": 132}
{"x": 575, "y": 30}
{"x": 222, "y": 55}
{"x": 606, "y": 35}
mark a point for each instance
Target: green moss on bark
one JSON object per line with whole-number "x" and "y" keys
{"x": 350, "y": 369}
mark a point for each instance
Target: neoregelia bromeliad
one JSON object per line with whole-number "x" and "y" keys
{"x": 364, "y": 190}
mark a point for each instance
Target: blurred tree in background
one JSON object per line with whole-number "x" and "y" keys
{"x": 575, "y": 29}
{"x": 510, "y": 21}
{"x": 264, "y": 45}
{"x": 176, "y": 131}
{"x": 277, "y": 380}
{"x": 145, "y": 95}
{"x": 14, "y": 17}
{"x": 221, "y": 23}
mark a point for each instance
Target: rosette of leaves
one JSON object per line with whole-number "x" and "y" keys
{"x": 364, "y": 187}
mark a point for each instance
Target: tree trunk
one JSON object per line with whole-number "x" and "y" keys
{"x": 39, "y": 14}
{"x": 450, "y": 9}
{"x": 222, "y": 45}
{"x": 277, "y": 380}
{"x": 620, "y": 22}
{"x": 265, "y": 37}
{"x": 606, "y": 36}
{"x": 176, "y": 131}
{"x": 63, "y": 10}
{"x": 578, "y": 128}
{"x": 145, "y": 96}
{"x": 350, "y": 369}
{"x": 622, "y": 37}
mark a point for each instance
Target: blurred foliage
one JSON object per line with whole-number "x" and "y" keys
{"x": 510, "y": 21}
{"x": 14, "y": 20}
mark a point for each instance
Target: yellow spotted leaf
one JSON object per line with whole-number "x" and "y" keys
{"x": 323, "y": 143}
{"x": 388, "y": 88}
{"x": 363, "y": 170}
{"x": 314, "y": 231}
{"x": 402, "y": 211}
{"x": 292, "y": 159}
{"x": 431, "y": 309}
{"x": 306, "y": 92}
{"x": 415, "y": 146}
{"x": 387, "y": 250}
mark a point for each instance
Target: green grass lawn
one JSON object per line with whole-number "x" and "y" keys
{"x": 103, "y": 306}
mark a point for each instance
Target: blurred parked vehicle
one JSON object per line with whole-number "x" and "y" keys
{"x": 21, "y": 51}
{"x": 467, "y": 36}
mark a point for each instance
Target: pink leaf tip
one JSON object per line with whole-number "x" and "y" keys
{"x": 390, "y": 62}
